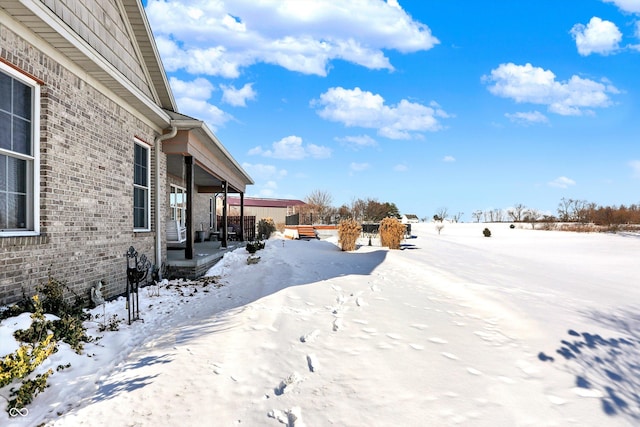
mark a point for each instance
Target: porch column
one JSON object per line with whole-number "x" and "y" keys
{"x": 225, "y": 223}
{"x": 241, "y": 216}
{"x": 188, "y": 162}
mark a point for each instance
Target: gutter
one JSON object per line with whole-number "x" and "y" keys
{"x": 158, "y": 146}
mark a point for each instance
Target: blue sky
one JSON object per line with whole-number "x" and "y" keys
{"x": 464, "y": 105}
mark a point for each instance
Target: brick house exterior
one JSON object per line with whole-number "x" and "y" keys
{"x": 90, "y": 143}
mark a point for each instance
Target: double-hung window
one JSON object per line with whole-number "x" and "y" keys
{"x": 141, "y": 187}
{"x": 19, "y": 154}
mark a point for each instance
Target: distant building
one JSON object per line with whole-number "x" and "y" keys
{"x": 276, "y": 209}
{"x": 410, "y": 219}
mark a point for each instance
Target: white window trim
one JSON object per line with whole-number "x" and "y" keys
{"x": 184, "y": 191}
{"x": 148, "y": 187}
{"x": 34, "y": 202}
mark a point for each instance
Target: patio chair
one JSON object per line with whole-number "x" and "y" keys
{"x": 176, "y": 234}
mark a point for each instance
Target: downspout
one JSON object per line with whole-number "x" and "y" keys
{"x": 158, "y": 142}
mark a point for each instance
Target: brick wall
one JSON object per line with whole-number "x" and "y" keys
{"x": 86, "y": 181}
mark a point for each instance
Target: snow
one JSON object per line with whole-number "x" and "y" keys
{"x": 524, "y": 328}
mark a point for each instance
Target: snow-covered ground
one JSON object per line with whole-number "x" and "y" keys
{"x": 525, "y": 328}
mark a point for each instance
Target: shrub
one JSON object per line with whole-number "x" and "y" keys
{"x": 391, "y": 232}
{"x": 266, "y": 227}
{"x": 486, "y": 232}
{"x": 348, "y": 232}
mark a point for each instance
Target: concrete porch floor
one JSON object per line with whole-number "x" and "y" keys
{"x": 205, "y": 255}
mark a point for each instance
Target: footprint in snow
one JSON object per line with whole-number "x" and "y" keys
{"x": 311, "y": 336}
{"x": 290, "y": 418}
{"x": 312, "y": 362}
{"x": 287, "y": 383}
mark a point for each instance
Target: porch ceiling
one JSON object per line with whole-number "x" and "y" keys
{"x": 212, "y": 162}
{"x": 205, "y": 181}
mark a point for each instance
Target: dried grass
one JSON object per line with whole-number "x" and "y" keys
{"x": 348, "y": 232}
{"x": 391, "y": 233}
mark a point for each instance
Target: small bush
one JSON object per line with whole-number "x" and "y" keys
{"x": 348, "y": 232}
{"x": 486, "y": 232}
{"x": 266, "y": 227}
{"x": 391, "y": 233}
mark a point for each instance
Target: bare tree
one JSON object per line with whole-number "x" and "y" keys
{"x": 456, "y": 218}
{"x": 532, "y": 216}
{"x": 564, "y": 209}
{"x": 320, "y": 202}
{"x": 517, "y": 212}
{"x": 441, "y": 214}
{"x": 498, "y": 215}
{"x": 358, "y": 207}
{"x": 476, "y": 215}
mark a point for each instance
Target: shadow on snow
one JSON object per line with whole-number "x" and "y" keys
{"x": 610, "y": 366}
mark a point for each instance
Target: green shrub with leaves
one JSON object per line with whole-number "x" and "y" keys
{"x": 266, "y": 227}
{"x": 391, "y": 232}
{"x": 40, "y": 338}
{"x": 348, "y": 232}
{"x": 27, "y": 358}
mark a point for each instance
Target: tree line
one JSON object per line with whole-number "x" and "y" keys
{"x": 319, "y": 209}
{"x": 569, "y": 210}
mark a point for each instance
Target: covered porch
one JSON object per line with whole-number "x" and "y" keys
{"x": 206, "y": 255}
{"x": 203, "y": 167}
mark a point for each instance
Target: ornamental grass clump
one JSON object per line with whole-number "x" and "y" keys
{"x": 266, "y": 227}
{"x": 348, "y": 232}
{"x": 391, "y": 233}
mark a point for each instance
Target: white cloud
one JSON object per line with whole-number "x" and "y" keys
{"x": 527, "y": 118}
{"x": 562, "y": 182}
{"x": 192, "y": 99}
{"x": 359, "y": 167}
{"x": 535, "y": 85}
{"x": 355, "y": 107}
{"x": 222, "y": 37}
{"x": 262, "y": 172}
{"x": 238, "y": 97}
{"x": 449, "y": 159}
{"x": 199, "y": 88}
{"x": 631, "y": 6}
{"x": 266, "y": 178}
{"x": 400, "y": 168}
{"x": 357, "y": 142}
{"x": 597, "y": 36}
{"x": 291, "y": 148}
{"x": 635, "y": 166}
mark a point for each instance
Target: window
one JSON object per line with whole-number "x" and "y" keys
{"x": 19, "y": 154}
{"x": 141, "y": 192}
{"x": 178, "y": 204}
